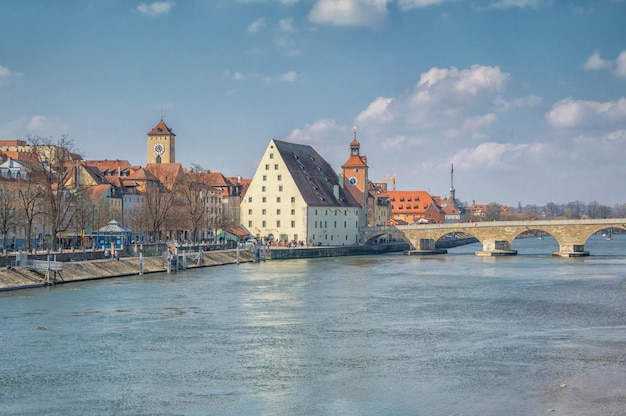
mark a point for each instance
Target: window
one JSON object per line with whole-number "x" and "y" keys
{"x": 293, "y": 224}
{"x": 276, "y": 167}
{"x": 264, "y": 178}
{"x": 263, "y": 189}
{"x": 280, "y": 188}
{"x": 264, "y": 199}
{"x": 271, "y": 155}
{"x": 277, "y": 212}
{"x": 263, "y": 211}
{"x": 249, "y": 212}
{"x": 315, "y": 224}
{"x": 278, "y": 199}
{"x": 250, "y": 199}
{"x": 293, "y": 212}
{"x": 267, "y": 167}
{"x": 293, "y": 199}
{"x": 278, "y": 223}
{"x": 249, "y": 223}
{"x": 345, "y": 224}
{"x": 280, "y": 177}
{"x": 263, "y": 224}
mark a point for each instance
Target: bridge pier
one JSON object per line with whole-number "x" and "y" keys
{"x": 571, "y": 250}
{"x": 424, "y": 246}
{"x": 496, "y": 248}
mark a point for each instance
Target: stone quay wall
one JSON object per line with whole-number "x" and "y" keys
{"x": 74, "y": 271}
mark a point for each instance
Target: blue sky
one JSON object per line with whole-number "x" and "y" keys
{"x": 526, "y": 97}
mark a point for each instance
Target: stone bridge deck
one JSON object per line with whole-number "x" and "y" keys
{"x": 496, "y": 236}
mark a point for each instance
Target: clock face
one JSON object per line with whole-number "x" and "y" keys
{"x": 158, "y": 148}
{"x": 353, "y": 181}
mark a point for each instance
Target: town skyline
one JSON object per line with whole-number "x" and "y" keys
{"x": 526, "y": 98}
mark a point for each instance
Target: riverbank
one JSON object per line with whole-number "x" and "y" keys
{"x": 22, "y": 278}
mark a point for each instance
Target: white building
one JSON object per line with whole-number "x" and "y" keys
{"x": 296, "y": 196}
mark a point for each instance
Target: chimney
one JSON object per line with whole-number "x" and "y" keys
{"x": 336, "y": 192}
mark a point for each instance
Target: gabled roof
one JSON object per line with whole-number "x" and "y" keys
{"x": 95, "y": 193}
{"x": 161, "y": 129}
{"x": 167, "y": 173}
{"x": 313, "y": 176}
{"x": 217, "y": 179}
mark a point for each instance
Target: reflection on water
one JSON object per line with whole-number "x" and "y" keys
{"x": 379, "y": 335}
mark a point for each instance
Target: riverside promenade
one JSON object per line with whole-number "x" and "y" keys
{"x": 74, "y": 271}
{"x": 13, "y": 278}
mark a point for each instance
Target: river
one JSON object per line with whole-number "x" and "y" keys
{"x": 454, "y": 334}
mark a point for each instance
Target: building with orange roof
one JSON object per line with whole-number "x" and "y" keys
{"x": 17, "y": 150}
{"x": 414, "y": 207}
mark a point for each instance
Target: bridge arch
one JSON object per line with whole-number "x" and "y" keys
{"x": 496, "y": 237}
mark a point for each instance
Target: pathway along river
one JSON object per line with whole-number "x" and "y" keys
{"x": 378, "y": 335}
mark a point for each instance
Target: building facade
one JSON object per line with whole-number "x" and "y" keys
{"x": 296, "y": 197}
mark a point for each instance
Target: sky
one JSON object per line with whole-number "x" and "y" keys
{"x": 527, "y": 98}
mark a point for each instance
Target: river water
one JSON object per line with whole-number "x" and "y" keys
{"x": 453, "y": 334}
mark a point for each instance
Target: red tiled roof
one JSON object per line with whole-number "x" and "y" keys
{"x": 161, "y": 129}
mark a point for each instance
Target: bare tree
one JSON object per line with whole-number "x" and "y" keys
{"x": 159, "y": 198}
{"x": 493, "y": 211}
{"x": 574, "y": 210}
{"x": 52, "y": 159}
{"x": 552, "y": 210}
{"x": 10, "y": 214}
{"x": 29, "y": 198}
{"x": 195, "y": 194}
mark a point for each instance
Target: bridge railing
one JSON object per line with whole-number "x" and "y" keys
{"x": 619, "y": 222}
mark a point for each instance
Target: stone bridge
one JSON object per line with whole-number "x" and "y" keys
{"x": 496, "y": 236}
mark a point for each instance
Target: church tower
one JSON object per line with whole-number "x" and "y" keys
{"x": 161, "y": 144}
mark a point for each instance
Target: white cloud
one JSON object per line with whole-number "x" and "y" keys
{"x": 594, "y": 62}
{"x": 6, "y": 74}
{"x": 378, "y": 111}
{"x": 616, "y": 136}
{"x": 569, "y": 113}
{"x": 37, "y": 123}
{"x": 500, "y": 155}
{"x": 368, "y": 13}
{"x": 479, "y": 122}
{"x": 478, "y": 79}
{"x": 156, "y": 8}
{"x": 414, "y": 4}
{"x": 286, "y": 45}
{"x": 256, "y": 26}
{"x": 620, "y": 65}
{"x": 290, "y": 76}
{"x": 286, "y": 25}
{"x": 315, "y": 132}
{"x": 506, "y": 4}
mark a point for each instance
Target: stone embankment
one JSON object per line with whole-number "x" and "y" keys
{"x": 21, "y": 278}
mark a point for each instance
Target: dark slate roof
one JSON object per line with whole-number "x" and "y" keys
{"x": 313, "y": 176}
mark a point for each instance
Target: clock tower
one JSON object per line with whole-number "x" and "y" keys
{"x": 355, "y": 177}
{"x": 161, "y": 144}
